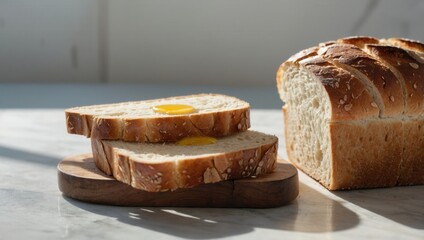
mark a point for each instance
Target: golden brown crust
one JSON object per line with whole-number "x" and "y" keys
{"x": 100, "y": 157}
{"x": 411, "y": 170}
{"x": 77, "y": 124}
{"x": 409, "y": 70}
{"x": 169, "y": 129}
{"x": 371, "y": 71}
{"x": 163, "y": 128}
{"x": 365, "y": 155}
{"x": 360, "y": 41}
{"x": 152, "y": 177}
{"x": 168, "y": 175}
{"x": 307, "y": 53}
{"x": 106, "y": 127}
{"x": 124, "y": 173}
{"x": 407, "y": 44}
{"x": 349, "y": 98}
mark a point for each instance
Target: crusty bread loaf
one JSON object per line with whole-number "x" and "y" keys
{"x": 354, "y": 112}
{"x": 216, "y": 116}
{"x": 157, "y": 167}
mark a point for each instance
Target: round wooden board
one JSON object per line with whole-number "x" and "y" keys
{"x": 79, "y": 178}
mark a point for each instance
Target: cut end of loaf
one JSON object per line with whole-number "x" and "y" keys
{"x": 307, "y": 112}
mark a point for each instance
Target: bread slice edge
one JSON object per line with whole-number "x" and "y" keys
{"x": 185, "y": 173}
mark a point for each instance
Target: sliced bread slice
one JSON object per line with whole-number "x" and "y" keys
{"x": 213, "y": 115}
{"x": 168, "y": 166}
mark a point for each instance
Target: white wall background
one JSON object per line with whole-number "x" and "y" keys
{"x": 222, "y": 42}
{"x": 48, "y": 41}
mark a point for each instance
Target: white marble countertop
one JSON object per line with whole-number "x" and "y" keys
{"x": 33, "y": 141}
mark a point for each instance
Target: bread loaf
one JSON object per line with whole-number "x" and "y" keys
{"x": 354, "y": 112}
{"x": 215, "y": 115}
{"x": 158, "y": 167}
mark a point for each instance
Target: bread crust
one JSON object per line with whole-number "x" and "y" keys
{"x": 163, "y": 128}
{"x": 406, "y": 44}
{"x": 411, "y": 169}
{"x": 360, "y": 41}
{"x": 349, "y": 98}
{"x": 77, "y": 124}
{"x": 190, "y": 172}
{"x": 372, "y": 71}
{"x": 216, "y": 124}
{"x": 365, "y": 155}
{"x": 409, "y": 70}
{"x": 100, "y": 157}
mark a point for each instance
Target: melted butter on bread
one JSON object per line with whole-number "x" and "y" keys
{"x": 174, "y": 109}
{"x": 196, "y": 141}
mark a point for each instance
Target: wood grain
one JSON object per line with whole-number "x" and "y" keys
{"x": 80, "y": 179}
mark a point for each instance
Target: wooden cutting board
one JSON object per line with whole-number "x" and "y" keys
{"x": 79, "y": 178}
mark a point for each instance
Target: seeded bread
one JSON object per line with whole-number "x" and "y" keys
{"x": 216, "y": 116}
{"x": 354, "y": 112}
{"x": 168, "y": 166}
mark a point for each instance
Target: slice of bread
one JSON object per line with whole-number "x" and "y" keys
{"x": 215, "y": 115}
{"x": 157, "y": 167}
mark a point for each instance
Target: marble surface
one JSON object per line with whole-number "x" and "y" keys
{"x": 33, "y": 141}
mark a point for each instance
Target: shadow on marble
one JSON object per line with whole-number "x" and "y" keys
{"x": 404, "y": 205}
{"x": 311, "y": 212}
{"x": 22, "y": 155}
